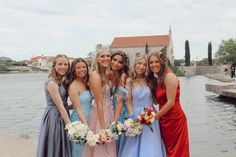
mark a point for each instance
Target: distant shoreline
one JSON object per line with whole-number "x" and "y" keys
{"x": 21, "y": 72}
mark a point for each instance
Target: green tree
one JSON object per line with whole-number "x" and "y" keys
{"x": 187, "y": 53}
{"x": 203, "y": 62}
{"x": 226, "y": 52}
{"x": 209, "y": 53}
{"x": 99, "y": 46}
{"x": 91, "y": 54}
{"x": 146, "y": 49}
{"x": 164, "y": 50}
{"x": 5, "y": 65}
{"x": 19, "y": 63}
{"x": 178, "y": 62}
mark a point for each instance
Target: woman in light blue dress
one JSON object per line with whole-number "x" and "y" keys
{"x": 119, "y": 74}
{"x": 148, "y": 143}
{"x": 80, "y": 97}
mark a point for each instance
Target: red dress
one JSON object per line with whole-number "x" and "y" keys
{"x": 173, "y": 126}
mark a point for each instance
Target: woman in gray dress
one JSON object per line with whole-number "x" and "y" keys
{"x": 53, "y": 140}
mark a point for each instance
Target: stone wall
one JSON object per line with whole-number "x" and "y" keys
{"x": 203, "y": 70}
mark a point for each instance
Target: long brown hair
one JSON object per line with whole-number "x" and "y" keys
{"x": 157, "y": 79}
{"x": 124, "y": 70}
{"x": 52, "y": 72}
{"x": 71, "y": 74}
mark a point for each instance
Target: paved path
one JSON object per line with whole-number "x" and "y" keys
{"x": 12, "y": 146}
{"x": 220, "y": 77}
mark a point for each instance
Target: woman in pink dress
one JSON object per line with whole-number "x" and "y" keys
{"x": 102, "y": 112}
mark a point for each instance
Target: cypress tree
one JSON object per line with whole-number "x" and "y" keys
{"x": 209, "y": 53}
{"x": 187, "y": 53}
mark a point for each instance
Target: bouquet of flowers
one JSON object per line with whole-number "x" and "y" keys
{"x": 92, "y": 139}
{"x": 147, "y": 117}
{"x": 117, "y": 129}
{"x": 132, "y": 127}
{"x": 77, "y": 132}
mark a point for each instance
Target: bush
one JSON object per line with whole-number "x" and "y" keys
{"x": 4, "y": 66}
{"x": 175, "y": 69}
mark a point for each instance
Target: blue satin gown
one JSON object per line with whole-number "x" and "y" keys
{"x": 121, "y": 91}
{"x": 148, "y": 143}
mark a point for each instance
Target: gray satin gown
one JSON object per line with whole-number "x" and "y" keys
{"x": 53, "y": 141}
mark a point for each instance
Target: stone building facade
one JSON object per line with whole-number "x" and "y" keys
{"x": 133, "y": 46}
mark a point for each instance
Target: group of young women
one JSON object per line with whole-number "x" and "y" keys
{"x": 110, "y": 93}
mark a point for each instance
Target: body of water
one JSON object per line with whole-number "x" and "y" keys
{"x": 211, "y": 121}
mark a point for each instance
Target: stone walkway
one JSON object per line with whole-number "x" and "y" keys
{"x": 220, "y": 77}
{"x": 12, "y": 146}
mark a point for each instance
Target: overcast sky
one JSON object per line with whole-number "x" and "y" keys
{"x": 74, "y": 27}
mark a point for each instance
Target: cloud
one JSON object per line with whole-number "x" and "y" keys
{"x": 74, "y": 27}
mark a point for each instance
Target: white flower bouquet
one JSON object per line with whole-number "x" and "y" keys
{"x": 92, "y": 139}
{"x": 132, "y": 128}
{"x": 117, "y": 129}
{"x": 77, "y": 132}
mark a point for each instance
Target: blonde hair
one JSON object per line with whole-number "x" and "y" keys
{"x": 137, "y": 59}
{"x": 52, "y": 72}
{"x": 97, "y": 67}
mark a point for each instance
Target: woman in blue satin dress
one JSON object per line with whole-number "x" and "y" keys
{"x": 53, "y": 141}
{"x": 119, "y": 73}
{"x": 148, "y": 143}
{"x": 80, "y": 97}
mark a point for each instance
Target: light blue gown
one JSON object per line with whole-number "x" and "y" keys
{"x": 121, "y": 91}
{"x": 85, "y": 103}
{"x": 148, "y": 143}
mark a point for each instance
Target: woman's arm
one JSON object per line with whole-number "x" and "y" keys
{"x": 129, "y": 97}
{"x": 119, "y": 99}
{"x": 53, "y": 90}
{"x": 74, "y": 97}
{"x": 171, "y": 83}
{"x": 95, "y": 84}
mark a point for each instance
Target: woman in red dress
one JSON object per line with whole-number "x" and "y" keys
{"x": 166, "y": 91}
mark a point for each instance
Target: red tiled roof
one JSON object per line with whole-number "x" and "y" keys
{"x": 140, "y": 41}
{"x": 36, "y": 57}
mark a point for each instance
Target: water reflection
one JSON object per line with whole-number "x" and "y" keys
{"x": 212, "y": 121}
{"x": 21, "y": 103}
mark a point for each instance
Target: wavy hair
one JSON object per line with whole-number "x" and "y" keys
{"x": 52, "y": 72}
{"x": 97, "y": 67}
{"x": 124, "y": 70}
{"x": 157, "y": 79}
{"x": 137, "y": 59}
{"x": 71, "y": 74}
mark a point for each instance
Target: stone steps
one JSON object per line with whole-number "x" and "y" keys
{"x": 225, "y": 89}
